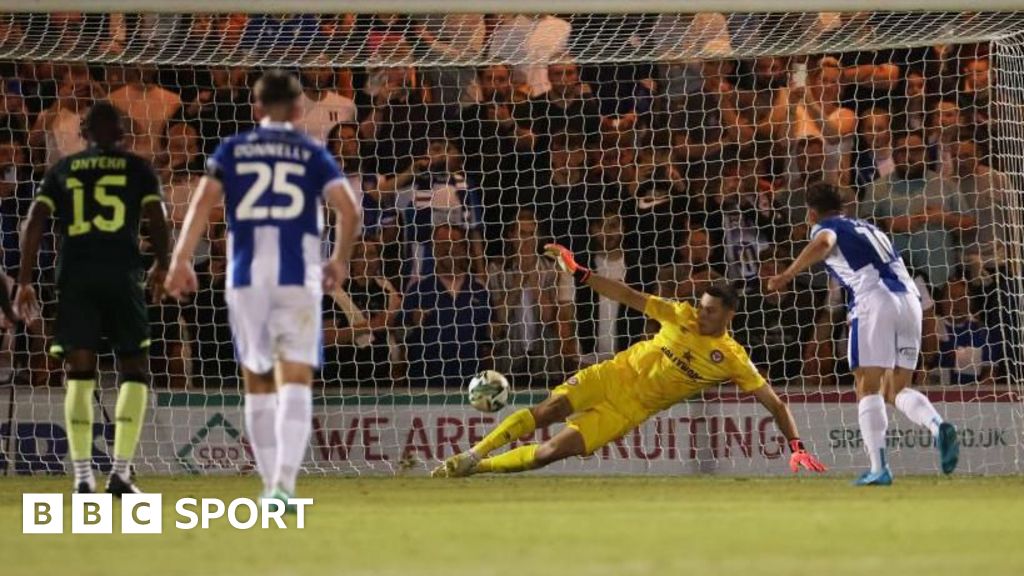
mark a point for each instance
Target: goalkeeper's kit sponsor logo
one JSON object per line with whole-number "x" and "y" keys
{"x": 683, "y": 364}
{"x": 144, "y": 513}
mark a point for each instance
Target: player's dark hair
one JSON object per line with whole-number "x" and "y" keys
{"x": 725, "y": 293}
{"x": 102, "y": 124}
{"x": 824, "y": 198}
{"x": 277, "y": 87}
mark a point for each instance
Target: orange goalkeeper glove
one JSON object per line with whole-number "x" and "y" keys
{"x": 566, "y": 262}
{"x": 802, "y": 457}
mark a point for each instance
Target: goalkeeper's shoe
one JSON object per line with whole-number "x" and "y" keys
{"x": 83, "y": 488}
{"x": 457, "y": 466}
{"x": 949, "y": 447}
{"x": 119, "y": 486}
{"x": 881, "y": 478}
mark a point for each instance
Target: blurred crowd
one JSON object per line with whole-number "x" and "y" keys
{"x": 667, "y": 175}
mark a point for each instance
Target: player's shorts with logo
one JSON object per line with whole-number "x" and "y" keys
{"x": 98, "y": 306}
{"x": 885, "y": 330}
{"x": 605, "y": 408}
{"x": 275, "y": 323}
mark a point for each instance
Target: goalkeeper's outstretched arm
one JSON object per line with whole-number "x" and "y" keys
{"x": 779, "y": 410}
{"x": 612, "y": 289}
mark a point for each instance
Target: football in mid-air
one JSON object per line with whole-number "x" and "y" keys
{"x": 488, "y": 391}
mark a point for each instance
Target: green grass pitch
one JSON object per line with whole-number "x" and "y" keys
{"x": 532, "y": 525}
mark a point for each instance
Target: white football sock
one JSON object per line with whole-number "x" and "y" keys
{"x": 83, "y": 473}
{"x": 919, "y": 409}
{"x": 873, "y": 423}
{"x": 294, "y": 425}
{"x": 122, "y": 468}
{"x": 260, "y": 418}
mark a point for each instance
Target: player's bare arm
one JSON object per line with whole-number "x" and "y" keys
{"x": 815, "y": 252}
{"x": 347, "y": 220}
{"x": 25, "y": 302}
{"x": 181, "y": 277}
{"x": 785, "y": 422}
{"x": 606, "y": 287}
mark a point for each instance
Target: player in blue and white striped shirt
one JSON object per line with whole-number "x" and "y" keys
{"x": 273, "y": 180}
{"x": 885, "y": 325}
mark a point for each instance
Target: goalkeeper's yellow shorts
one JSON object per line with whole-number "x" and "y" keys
{"x": 604, "y": 406}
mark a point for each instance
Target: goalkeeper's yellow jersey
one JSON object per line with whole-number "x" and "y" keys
{"x": 679, "y": 362}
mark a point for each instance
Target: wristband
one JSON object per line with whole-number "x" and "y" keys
{"x": 796, "y": 445}
{"x": 581, "y": 275}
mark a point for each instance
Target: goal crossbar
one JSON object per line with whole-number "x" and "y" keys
{"x": 502, "y": 6}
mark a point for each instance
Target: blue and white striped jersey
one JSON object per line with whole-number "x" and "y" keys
{"x": 863, "y": 259}
{"x": 274, "y": 178}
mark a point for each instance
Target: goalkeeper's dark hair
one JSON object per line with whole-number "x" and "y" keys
{"x": 725, "y": 293}
{"x": 824, "y": 198}
{"x": 102, "y": 125}
{"x": 277, "y": 87}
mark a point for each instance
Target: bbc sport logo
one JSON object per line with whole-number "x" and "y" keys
{"x": 143, "y": 513}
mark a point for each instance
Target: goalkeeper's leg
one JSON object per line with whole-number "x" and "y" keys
{"x": 567, "y": 443}
{"x": 556, "y": 408}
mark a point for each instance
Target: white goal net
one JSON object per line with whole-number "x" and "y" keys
{"x": 667, "y": 150}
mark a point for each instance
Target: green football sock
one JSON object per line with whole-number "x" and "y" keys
{"x": 131, "y": 409}
{"x": 78, "y": 418}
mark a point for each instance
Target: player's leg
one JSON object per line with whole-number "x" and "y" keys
{"x": 567, "y": 443}
{"x": 76, "y": 338}
{"x": 126, "y": 317}
{"x": 873, "y": 420}
{"x": 555, "y": 408}
{"x": 920, "y": 410}
{"x": 80, "y": 367}
{"x": 869, "y": 359}
{"x": 294, "y": 423}
{"x": 295, "y": 329}
{"x": 585, "y": 433}
{"x": 585, "y": 389}
{"x": 129, "y": 415}
{"x": 261, "y": 421}
{"x": 248, "y": 312}
{"x": 912, "y": 403}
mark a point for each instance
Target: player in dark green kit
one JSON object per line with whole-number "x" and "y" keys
{"x": 98, "y": 198}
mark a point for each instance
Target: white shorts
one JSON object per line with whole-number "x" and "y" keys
{"x": 885, "y": 331}
{"x": 275, "y": 323}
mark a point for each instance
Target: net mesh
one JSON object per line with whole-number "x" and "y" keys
{"x": 668, "y": 151}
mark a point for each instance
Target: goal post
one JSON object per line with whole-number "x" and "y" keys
{"x": 668, "y": 143}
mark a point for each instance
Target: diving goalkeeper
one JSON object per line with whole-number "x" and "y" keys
{"x": 692, "y": 351}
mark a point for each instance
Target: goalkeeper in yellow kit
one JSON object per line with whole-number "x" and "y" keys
{"x": 692, "y": 351}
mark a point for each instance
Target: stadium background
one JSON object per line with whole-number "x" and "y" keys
{"x": 669, "y": 150}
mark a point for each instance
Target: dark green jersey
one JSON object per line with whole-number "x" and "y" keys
{"x": 97, "y": 197}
